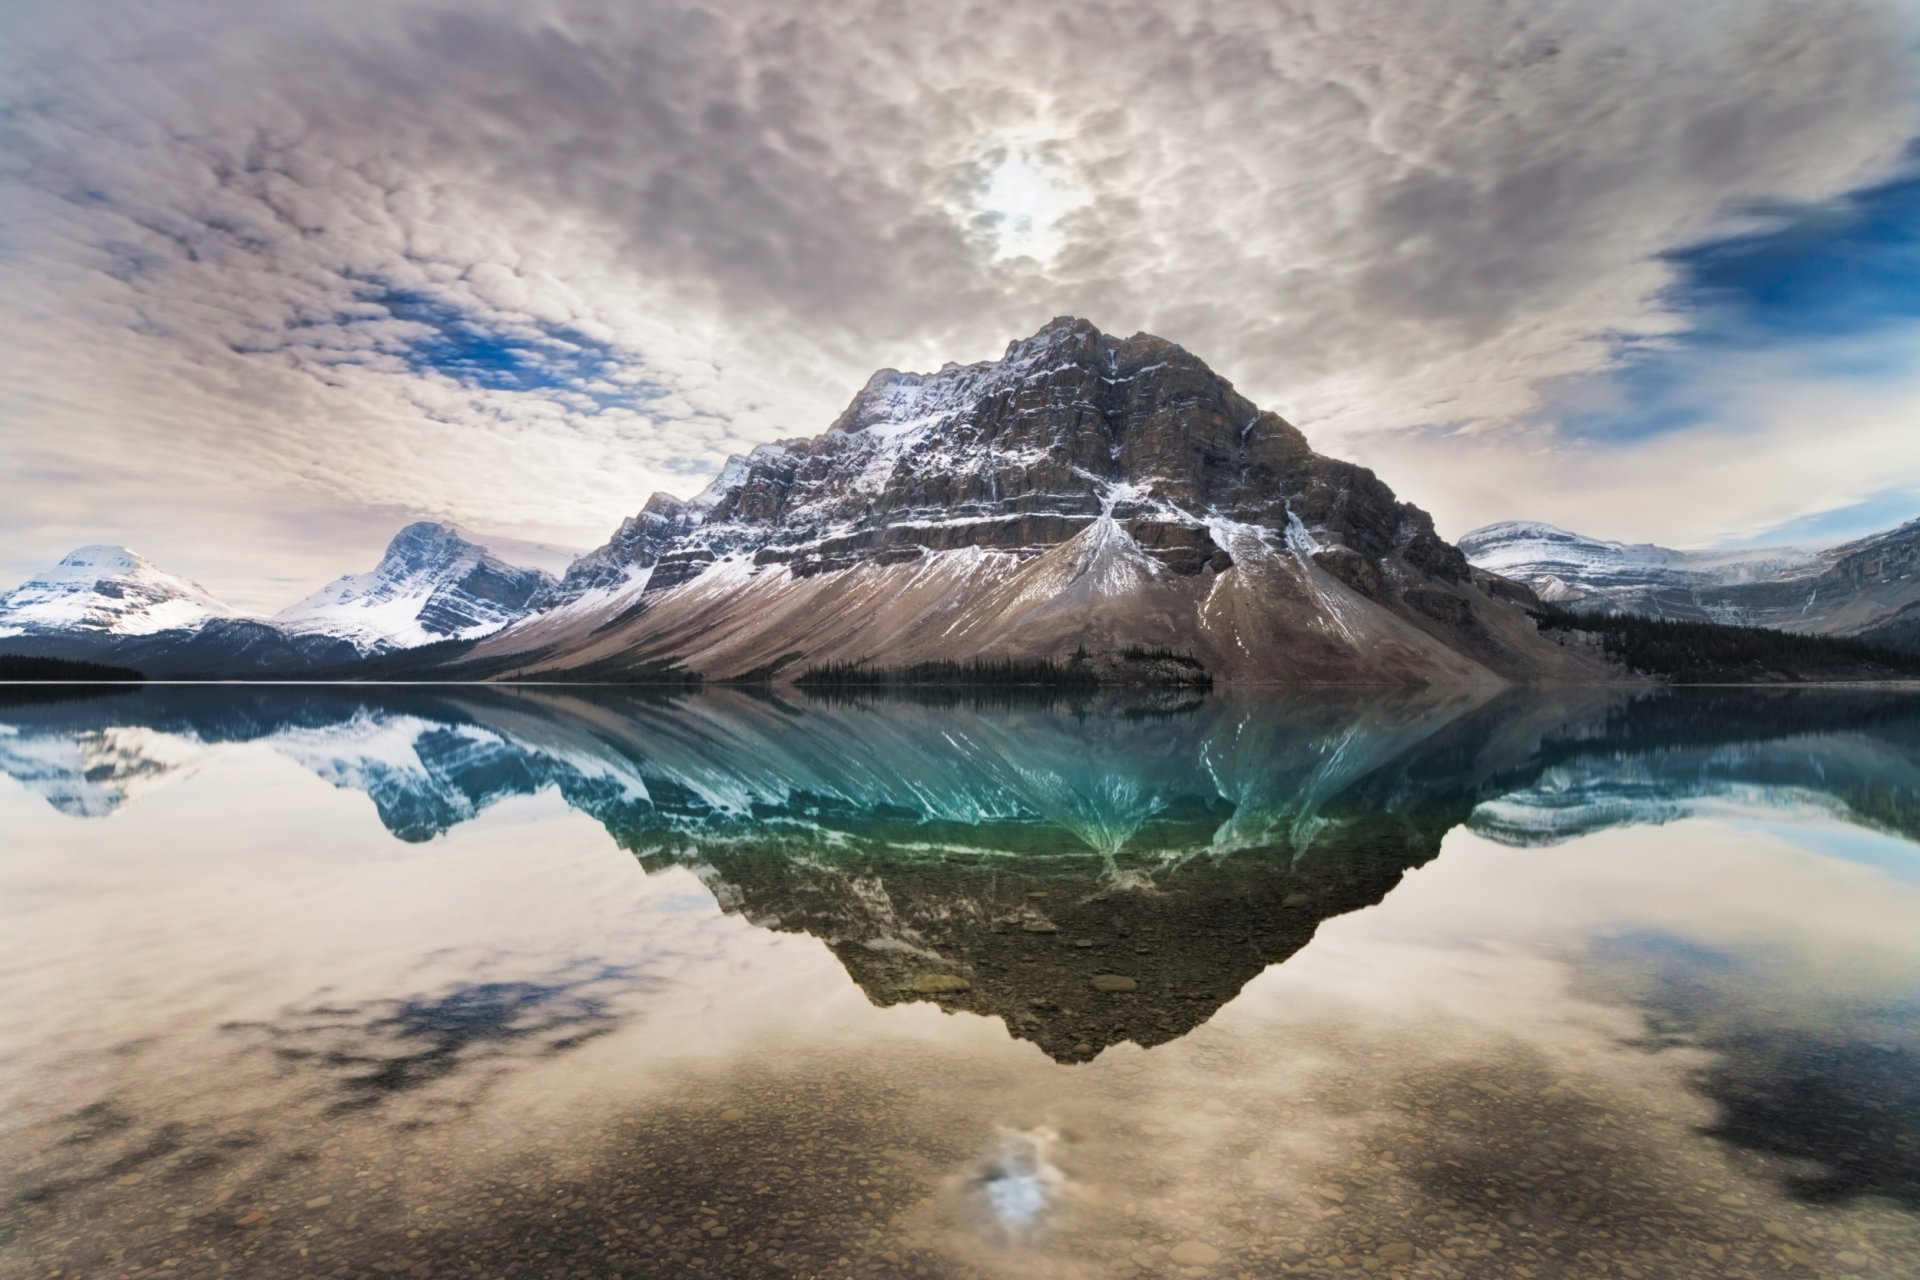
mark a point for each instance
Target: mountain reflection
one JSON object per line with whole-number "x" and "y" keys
{"x": 1088, "y": 872}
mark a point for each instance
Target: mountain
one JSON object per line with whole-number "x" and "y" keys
{"x": 108, "y": 604}
{"x": 619, "y": 570}
{"x": 106, "y": 591}
{"x": 1869, "y": 587}
{"x": 432, "y": 584}
{"x": 1084, "y": 492}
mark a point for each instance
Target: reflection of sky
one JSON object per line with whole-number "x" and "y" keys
{"x": 253, "y": 888}
{"x": 1896, "y": 857}
{"x": 1019, "y": 1182}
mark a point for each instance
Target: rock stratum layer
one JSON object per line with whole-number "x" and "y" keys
{"x": 1085, "y": 492}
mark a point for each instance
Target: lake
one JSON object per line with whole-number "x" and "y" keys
{"x": 450, "y": 981}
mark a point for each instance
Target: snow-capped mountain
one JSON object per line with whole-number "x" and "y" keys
{"x": 108, "y": 604}
{"x": 432, "y": 584}
{"x": 1086, "y": 491}
{"x": 106, "y": 591}
{"x": 1851, "y": 589}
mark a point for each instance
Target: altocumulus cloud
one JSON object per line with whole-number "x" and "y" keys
{"x": 275, "y": 277}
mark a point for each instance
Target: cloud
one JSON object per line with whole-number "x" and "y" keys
{"x": 1769, "y": 444}
{"x": 272, "y": 271}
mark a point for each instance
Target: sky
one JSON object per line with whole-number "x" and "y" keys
{"x": 277, "y": 279}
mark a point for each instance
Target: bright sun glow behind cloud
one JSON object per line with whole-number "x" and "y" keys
{"x": 1023, "y": 200}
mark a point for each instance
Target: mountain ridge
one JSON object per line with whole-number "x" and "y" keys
{"x": 1864, "y": 588}
{"x": 107, "y": 603}
{"x": 1083, "y": 499}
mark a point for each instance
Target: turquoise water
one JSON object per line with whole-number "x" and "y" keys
{"x": 419, "y": 981}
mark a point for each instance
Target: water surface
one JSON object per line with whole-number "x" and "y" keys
{"x": 332, "y": 982}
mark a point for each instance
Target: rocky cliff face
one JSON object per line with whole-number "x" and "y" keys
{"x": 1851, "y": 589}
{"x": 1085, "y": 491}
{"x": 623, "y": 565}
{"x": 1073, "y": 429}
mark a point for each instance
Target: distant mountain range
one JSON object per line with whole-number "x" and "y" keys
{"x": 1869, "y": 588}
{"x": 111, "y": 604}
{"x": 1087, "y": 501}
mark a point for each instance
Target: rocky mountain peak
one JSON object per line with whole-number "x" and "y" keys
{"x": 1083, "y": 492}
{"x": 425, "y": 540}
{"x": 1022, "y": 453}
{"x": 432, "y": 583}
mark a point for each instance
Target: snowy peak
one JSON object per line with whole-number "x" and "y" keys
{"x": 1842, "y": 590}
{"x": 107, "y": 591}
{"x": 432, "y": 584}
{"x": 86, "y": 563}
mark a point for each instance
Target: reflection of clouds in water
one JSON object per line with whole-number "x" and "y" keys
{"x": 1775, "y": 983}
{"x": 1847, "y": 1113}
{"x": 382, "y": 1047}
{"x": 450, "y": 1044}
{"x": 1019, "y": 1182}
{"x": 1835, "y": 1091}
{"x": 1432, "y": 1067}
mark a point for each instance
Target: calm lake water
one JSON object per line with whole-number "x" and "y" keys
{"x": 484, "y": 982}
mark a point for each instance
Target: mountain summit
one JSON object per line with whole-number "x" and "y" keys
{"x": 432, "y": 584}
{"x": 1085, "y": 493}
{"x": 106, "y": 591}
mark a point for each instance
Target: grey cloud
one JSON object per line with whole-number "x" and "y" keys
{"x": 1374, "y": 216}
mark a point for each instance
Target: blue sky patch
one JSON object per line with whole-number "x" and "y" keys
{"x": 1883, "y": 510}
{"x": 1821, "y": 271}
{"x": 1831, "y": 292}
{"x": 479, "y": 353}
